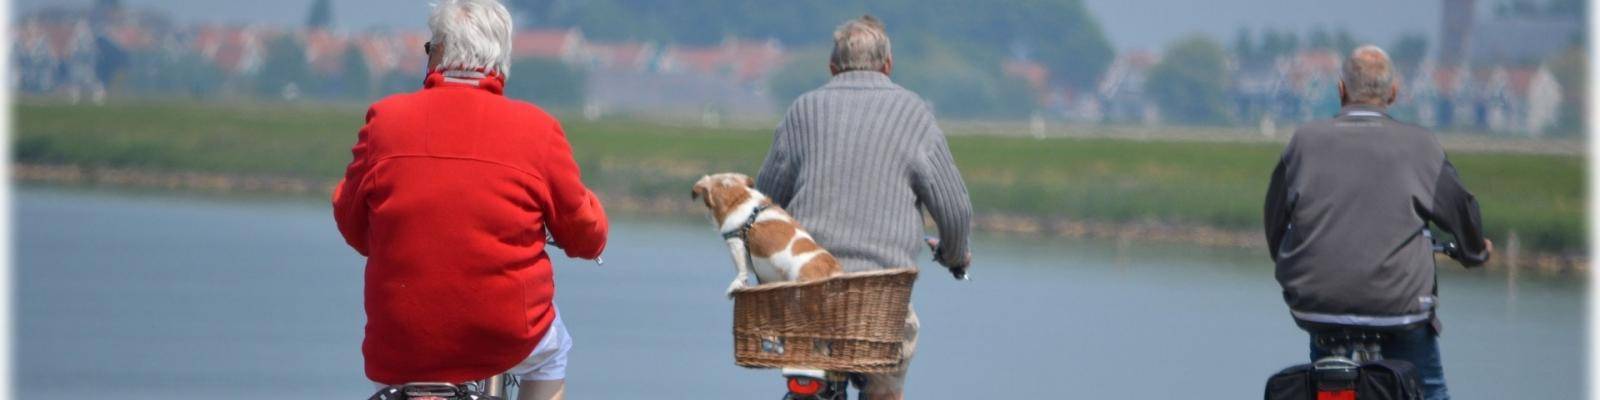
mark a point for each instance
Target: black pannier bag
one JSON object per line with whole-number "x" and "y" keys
{"x": 1389, "y": 379}
{"x": 1293, "y": 383}
{"x": 1374, "y": 380}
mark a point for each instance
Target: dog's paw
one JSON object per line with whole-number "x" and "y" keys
{"x": 737, "y": 284}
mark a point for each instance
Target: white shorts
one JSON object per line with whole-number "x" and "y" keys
{"x": 547, "y": 362}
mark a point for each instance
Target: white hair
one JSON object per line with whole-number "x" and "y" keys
{"x": 473, "y": 34}
{"x": 860, "y": 45}
{"x": 1368, "y": 75}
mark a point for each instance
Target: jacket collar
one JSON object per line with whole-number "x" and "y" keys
{"x": 1363, "y": 110}
{"x": 861, "y": 79}
{"x": 492, "y": 82}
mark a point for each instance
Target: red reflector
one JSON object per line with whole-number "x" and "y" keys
{"x": 807, "y": 386}
{"x": 1337, "y": 395}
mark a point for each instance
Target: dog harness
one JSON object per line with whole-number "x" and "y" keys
{"x": 744, "y": 231}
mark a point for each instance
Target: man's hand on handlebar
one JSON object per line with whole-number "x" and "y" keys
{"x": 960, "y": 273}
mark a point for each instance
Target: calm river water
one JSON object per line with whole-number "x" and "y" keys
{"x": 149, "y": 295}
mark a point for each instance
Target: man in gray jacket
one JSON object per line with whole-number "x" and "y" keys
{"x": 1345, "y": 217}
{"x": 854, "y": 159}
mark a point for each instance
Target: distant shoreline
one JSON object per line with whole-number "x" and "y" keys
{"x": 1145, "y": 232}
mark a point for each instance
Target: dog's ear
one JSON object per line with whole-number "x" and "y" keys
{"x": 698, "y": 192}
{"x": 748, "y": 181}
{"x": 702, "y": 192}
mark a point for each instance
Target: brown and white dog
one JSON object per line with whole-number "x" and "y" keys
{"x": 777, "y": 246}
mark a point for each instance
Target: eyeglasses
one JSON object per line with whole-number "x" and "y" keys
{"x": 427, "y": 48}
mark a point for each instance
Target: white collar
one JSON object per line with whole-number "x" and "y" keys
{"x": 463, "y": 76}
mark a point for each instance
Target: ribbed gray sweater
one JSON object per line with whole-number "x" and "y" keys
{"x": 854, "y": 160}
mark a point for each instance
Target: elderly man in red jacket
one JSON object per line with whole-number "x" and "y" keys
{"x": 450, "y": 194}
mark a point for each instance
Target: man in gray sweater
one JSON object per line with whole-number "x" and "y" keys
{"x": 856, "y": 160}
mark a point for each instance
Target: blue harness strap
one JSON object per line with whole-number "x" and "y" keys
{"x": 744, "y": 231}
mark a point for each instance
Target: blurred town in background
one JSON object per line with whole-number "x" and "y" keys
{"x": 172, "y": 162}
{"x": 1513, "y": 67}
{"x": 1073, "y": 118}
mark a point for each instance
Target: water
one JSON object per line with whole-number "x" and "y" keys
{"x": 169, "y": 296}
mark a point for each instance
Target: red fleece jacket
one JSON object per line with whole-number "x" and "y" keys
{"x": 449, "y": 194}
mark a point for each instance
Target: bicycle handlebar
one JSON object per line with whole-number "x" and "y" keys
{"x": 933, "y": 244}
{"x": 1449, "y": 249}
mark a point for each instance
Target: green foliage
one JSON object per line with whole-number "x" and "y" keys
{"x": 321, "y": 15}
{"x": 1258, "y": 54}
{"x": 1243, "y": 46}
{"x": 805, "y": 70}
{"x": 162, "y": 74}
{"x": 1109, "y": 180}
{"x": 1339, "y": 41}
{"x": 942, "y": 76}
{"x": 1059, "y": 33}
{"x": 285, "y": 65}
{"x": 546, "y": 82}
{"x": 1276, "y": 43}
{"x": 1570, "y": 9}
{"x": 1577, "y": 8}
{"x": 959, "y": 89}
{"x": 356, "y": 79}
{"x": 399, "y": 81}
{"x": 1408, "y": 52}
{"x": 1189, "y": 83}
{"x": 1519, "y": 8}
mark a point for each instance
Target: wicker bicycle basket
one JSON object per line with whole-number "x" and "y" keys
{"x": 850, "y": 323}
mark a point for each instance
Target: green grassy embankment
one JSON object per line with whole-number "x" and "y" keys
{"x": 1215, "y": 185}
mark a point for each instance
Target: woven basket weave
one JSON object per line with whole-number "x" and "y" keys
{"x": 850, "y": 323}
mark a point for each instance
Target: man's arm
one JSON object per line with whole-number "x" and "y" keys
{"x": 776, "y": 178}
{"x": 939, "y": 187}
{"x": 1275, "y": 215}
{"x": 574, "y": 214}
{"x": 1456, "y": 211}
{"x": 349, "y": 196}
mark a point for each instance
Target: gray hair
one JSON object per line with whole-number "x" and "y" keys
{"x": 1368, "y": 75}
{"x": 473, "y": 34}
{"x": 860, "y": 45}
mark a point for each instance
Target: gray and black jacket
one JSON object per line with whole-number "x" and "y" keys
{"x": 1345, "y": 215}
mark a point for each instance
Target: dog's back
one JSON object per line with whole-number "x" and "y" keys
{"x": 788, "y": 250}
{"x": 780, "y": 248}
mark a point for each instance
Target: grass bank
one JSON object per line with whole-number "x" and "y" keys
{"x": 1209, "y": 184}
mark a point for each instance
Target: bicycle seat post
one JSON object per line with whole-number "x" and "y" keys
{"x": 495, "y": 386}
{"x": 1369, "y": 350}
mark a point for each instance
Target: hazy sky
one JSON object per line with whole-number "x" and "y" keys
{"x": 1146, "y": 24}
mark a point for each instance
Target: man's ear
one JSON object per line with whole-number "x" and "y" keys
{"x": 1394, "y": 93}
{"x": 1344, "y": 98}
{"x": 888, "y": 66}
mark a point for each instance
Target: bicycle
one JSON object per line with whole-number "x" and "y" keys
{"x": 493, "y": 388}
{"x": 816, "y": 384}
